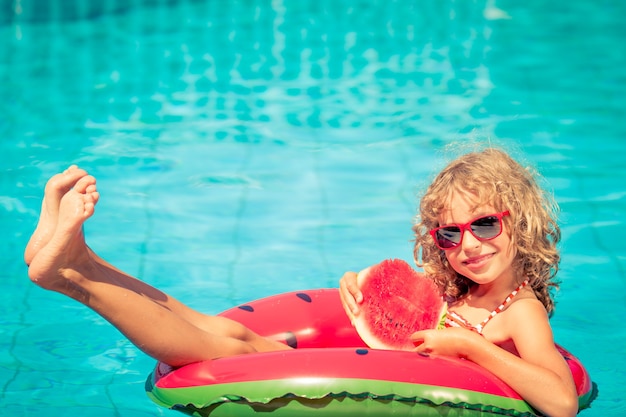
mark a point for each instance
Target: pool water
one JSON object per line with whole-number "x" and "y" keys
{"x": 246, "y": 148}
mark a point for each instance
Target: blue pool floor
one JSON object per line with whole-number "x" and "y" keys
{"x": 244, "y": 151}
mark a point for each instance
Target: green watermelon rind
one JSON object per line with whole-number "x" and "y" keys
{"x": 442, "y": 317}
{"x": 332, "y": 396}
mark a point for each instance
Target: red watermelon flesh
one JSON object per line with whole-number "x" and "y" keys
{"x": 397, "y": 301}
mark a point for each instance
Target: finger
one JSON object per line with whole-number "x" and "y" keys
{"x": 349, "y": 305}
{"x": 354, "y": 282}
{"x": 420, "y": 348}
{"x": 345, "y": 303}
{"x": 419, "y": 341}
{"x": 350, "y": 294}
{"x": 355, "y": 291}
{"x": 418, "y": 336}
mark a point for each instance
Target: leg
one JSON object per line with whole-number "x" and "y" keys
{"x": 219, "y": 327}
{"x": 159, "y": 325}
{"x": 55, "y": 189}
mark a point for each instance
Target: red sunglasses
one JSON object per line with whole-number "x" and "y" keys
{"x": 483, "y": 228}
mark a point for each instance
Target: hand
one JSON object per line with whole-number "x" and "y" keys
{"x": 451, "y": 341}
{"x": 350, "y": 294}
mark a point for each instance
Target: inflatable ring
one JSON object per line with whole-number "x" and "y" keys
{"x": 332, "y": 371}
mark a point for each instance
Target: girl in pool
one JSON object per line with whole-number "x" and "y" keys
{"x": 492, "y": 231}
{"x": 487, "y": 236}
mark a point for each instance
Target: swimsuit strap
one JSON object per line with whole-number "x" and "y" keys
{"x": 456, "y": 320}
{"x": 481, "y": 326}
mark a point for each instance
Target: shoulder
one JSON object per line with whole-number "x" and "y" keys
{"x": 526, "y": 302}
{"x": 526, "y": 312}
{"x": 529, "y": 325}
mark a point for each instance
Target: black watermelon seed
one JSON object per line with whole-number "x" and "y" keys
{"x": 362, "y": 351}
{"x": 247, "y": 308}
{"x": 291, "y": 339}
{"x": 304, "y": 296}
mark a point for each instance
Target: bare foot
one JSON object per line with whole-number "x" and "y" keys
{"x": 55, "y": 189}
{"x": 66, "y": 248}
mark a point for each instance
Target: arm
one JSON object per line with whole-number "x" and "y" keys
{"x": 539, "y": 374}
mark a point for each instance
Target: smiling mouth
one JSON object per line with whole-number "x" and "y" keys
{"x": 477, "y": 260}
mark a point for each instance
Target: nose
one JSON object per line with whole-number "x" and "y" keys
{"x": 469, "y": 241}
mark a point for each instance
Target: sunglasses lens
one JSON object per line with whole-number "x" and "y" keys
{"x": 448, "y": 237}
{"x": 486, "y": 227}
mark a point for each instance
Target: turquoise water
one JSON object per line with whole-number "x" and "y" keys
{"x": 246, "y": 148}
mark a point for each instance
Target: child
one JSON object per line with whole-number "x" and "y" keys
{"x": 487, "y": 236}
{"x": 512, "y": 240}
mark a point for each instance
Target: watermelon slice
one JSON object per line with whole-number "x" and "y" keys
{"x": 397, "y": 301}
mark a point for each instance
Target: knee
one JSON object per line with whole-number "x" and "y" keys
{"x": 238, "y": 331}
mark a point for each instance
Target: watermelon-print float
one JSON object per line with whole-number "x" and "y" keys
{"x": 333, "y": 372}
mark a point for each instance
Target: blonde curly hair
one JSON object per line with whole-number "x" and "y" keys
{"x": 497, "y": 180}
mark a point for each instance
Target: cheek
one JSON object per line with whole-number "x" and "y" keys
{"x": 511, "y": 252}
{"x": 453, "y": 257}
{"x": 505, "y": 242}
{"x": 507, "y": 248}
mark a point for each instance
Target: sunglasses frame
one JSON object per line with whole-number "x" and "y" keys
{"x": 468, "y": 226}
